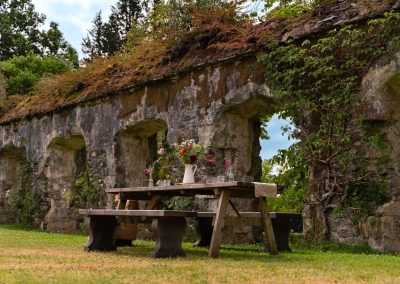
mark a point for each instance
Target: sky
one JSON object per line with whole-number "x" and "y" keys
{"x": 75, "y": 19}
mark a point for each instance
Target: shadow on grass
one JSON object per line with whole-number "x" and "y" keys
{"x": 227, "y": 252}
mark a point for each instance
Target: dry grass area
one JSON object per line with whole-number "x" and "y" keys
{"x": 28, "y": 256}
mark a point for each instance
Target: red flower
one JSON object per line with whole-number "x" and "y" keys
{"x": 148, "y": 171}
{"x": 182, "y": 151}
{"x": 193, "y": 158}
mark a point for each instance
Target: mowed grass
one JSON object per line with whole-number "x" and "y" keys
{"x": 29, "y": 256}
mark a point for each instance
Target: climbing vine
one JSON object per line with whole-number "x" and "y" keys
{"x": 89, "y": 194}
{"x": 23, "y": 199}
{"x": 317, "y": 82}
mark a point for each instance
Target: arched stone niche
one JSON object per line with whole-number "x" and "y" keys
{"x": 10, "y": 162}
{"x": 381, "y": 92}
{"x": 235, "y": 135}
{"x": 65, "y": 160}
{"x": 135, "y": 149}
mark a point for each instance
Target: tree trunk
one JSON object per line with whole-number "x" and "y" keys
{"x": 316, "y": 226}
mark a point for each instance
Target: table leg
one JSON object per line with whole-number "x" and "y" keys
{"x": 267, "y": 224}
{"x": 219, "y": 223}
{"x": 153, "y": 202}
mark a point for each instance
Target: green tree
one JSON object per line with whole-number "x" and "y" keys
{"x": 317, "y": 83}
{"x": 288, "y": 169}
{"x": 22, "y": 73}
{"x": 53, "y": 43}
{"x": 92, "y": 44}
{"x": 169, "y": 19}
{"x": 20, "y": 33}
{"x": 108, "y": 38}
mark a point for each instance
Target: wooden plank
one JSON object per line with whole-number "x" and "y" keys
{"x": 267, "y": 224}
{"x": 242, "y": 221}
{"x": 238, "y": 189}
{"x": 202, "y": 187}
{"x": 265, "y": 189}
{"x": 234, "y": 208}
{"x": 219, "y": 224}
{"x": 138, "y": 213}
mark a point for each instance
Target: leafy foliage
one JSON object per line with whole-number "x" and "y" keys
{"x": 23, "y": 73}
{"x": 177, "y": 22}
{"x": 176, "y": 203}
{"x": 23, "y": 199}
{"x": 286, "y": 169}
{"x": 108, "y": 38}
{"x": 20, "y": 33}
{"x": 90, "y": 194}
{"x": 317, "y": 83}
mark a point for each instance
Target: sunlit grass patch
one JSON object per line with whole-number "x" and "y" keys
{"x": 30, "y": 256}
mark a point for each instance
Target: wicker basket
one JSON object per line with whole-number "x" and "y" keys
{"x": 126, "y": 231}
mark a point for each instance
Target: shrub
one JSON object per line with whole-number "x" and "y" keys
{"x": 23, "y": 73}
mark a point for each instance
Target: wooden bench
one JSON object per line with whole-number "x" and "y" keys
{"x": 169, "y": 225}
{"x": 281, "y": 222}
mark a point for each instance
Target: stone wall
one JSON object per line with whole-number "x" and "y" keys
{"x": 381, "y": 94}
{"x": 115, "y": 138}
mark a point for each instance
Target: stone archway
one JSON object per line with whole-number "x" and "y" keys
{"x": 10, "y": 162}
{"x": 381, "y": 91}
{"x": 66, "y": 159}
{"x": 136, "y": 148}
{"x": 235, "y": 135}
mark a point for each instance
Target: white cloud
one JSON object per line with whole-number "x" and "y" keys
{"x": 74, "y": 16}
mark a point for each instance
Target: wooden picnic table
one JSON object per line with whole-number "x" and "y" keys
{"x": 223, "y": 191}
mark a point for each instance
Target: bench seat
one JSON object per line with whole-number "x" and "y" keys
{"x": 137, "y": 213}
{"x": 169, "y": 225}
{"x": 282, "y": 223}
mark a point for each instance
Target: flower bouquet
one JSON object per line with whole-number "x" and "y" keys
{"x": 189, "y": 153}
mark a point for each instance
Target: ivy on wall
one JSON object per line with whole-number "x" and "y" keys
{"x": 317, "y": 82}
{"x": 23, "y": 199}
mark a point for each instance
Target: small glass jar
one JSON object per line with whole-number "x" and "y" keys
{"x": 151, "y": 182}
{"x": 231, "y": 176}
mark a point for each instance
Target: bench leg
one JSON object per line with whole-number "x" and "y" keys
{"x": 101, "y": 236}
{"x": 170, "y": 232}
{"x": 281, "y": 225}
{"x": 204, "y": 229}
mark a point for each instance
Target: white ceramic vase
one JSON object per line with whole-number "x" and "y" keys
{"x": 190, "y": 170}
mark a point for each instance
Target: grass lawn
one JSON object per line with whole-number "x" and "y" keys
{"x": 29, "y": 256}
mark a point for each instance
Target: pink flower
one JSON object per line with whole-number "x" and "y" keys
{"x": 161, "y": 151}
{"x": 148, "y": 171}
{"x": 227, "y": 163}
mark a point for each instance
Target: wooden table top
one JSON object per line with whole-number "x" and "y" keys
{"x": 237, "y": 188}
